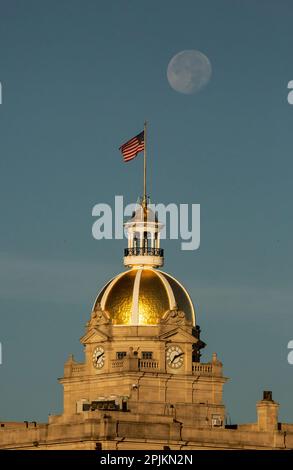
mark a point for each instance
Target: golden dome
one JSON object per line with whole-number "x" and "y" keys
{"x": 141, "y": 296}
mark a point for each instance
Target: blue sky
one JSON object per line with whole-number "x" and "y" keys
{"x": 80, "y": 77}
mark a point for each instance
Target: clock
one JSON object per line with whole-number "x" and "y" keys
{"x": 99, "y": 357}
{"x": 174, "y": 356}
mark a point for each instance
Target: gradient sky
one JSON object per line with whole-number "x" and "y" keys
{"x": 79, "y": 78}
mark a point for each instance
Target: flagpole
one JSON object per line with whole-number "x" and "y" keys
{"x": 144, "y": 166}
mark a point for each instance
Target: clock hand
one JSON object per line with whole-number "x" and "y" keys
{"x": 98, "y": 357}
{"x": 175, "y": 357}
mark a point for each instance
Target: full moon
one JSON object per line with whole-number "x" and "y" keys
{"x": 189, "y": 71}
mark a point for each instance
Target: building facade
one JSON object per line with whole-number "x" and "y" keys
{"x": 142, "y": 384}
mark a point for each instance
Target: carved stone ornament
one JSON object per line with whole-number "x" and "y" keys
{"x": 98, "y": 317}
{"x": 174, "y": 317}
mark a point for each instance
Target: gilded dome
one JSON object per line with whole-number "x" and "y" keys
{"x": 141, "y": 296}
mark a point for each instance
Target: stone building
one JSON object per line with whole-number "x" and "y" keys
{"x": 142, "y": 384}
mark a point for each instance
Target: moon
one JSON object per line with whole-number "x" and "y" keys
{"x": 189, "y": 71}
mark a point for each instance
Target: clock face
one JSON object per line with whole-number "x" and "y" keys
{"x": 99, "y": 357}
{"x": 175, "y": 357}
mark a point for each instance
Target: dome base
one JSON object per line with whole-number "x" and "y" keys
{"x": 144, "y": 260}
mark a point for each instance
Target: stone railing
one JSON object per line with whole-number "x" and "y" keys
{"x": 148, "y": 364}
{"x": 117, "y": 364}
{"x": 77, "y": 369}
{"x": 146, "y": 251}
{"x": 202, "y": 369}
{"x": 214, "y": 368}
{"x": 135, "y": 364}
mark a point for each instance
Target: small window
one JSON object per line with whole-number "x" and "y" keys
{"x": 217, "y": 421}
{"x": 120, "y": 354}
{"x": 146, "y": 355}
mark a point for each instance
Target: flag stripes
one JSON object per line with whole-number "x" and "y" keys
{"x": 132, "y": 147}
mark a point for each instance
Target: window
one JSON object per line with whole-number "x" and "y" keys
{"x": 146, "y": 355}
{"x": 217, "y": 421}
{"x": 120, "y": 354}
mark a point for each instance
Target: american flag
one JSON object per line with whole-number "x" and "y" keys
{"x": 132, "y": 147}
